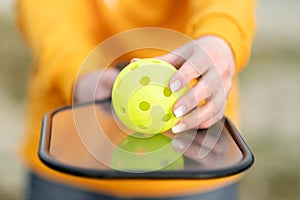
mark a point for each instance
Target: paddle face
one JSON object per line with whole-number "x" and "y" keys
{"x": 97, "y": 146}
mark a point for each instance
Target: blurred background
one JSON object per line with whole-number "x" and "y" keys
{"x": 270, "y": 103}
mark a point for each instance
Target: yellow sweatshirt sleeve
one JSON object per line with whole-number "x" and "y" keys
{"x": 232, "y": 20}
{"x": 60, "y": 35}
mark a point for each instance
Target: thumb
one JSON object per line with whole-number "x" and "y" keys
{"x": 172, "y": 58}
{"x": 178, "y": 56}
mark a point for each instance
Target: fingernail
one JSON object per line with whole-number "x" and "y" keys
{"x": 134, "y": 59}
{"x": 178, "y": 128}
{"x": 179, "y": 112}
{"x": 179, "y": 144}
{"x": 174, "y": 86}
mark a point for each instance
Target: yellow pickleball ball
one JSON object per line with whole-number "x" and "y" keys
{"x": 141, "y": 97}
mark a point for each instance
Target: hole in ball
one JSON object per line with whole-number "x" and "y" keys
{"x": 144, "y": 80}
{"x": 166, "y": 117}
{"x": 167, "y": 92}
{"x": 144, "y": 106}
{"x": 134, "y": 66}
{"x": 122, "y": 109}
{"x": 156, "y": 61}
{"x": 141, "y": 127}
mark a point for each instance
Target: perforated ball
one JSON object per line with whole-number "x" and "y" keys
{"x": 141, "y": 97}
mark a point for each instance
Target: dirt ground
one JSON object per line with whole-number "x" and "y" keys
{"x": 270, "y": 105}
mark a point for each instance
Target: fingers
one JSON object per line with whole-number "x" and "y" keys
{"x": 184, "y": 75}
{"x": 212, "y": 86}
{"x": 209, "y": 88}
{"x": 105, "y": 80}
{"x": 197, "y": 63}
{"x": 192, "y": 98}
{"x": 108, "y": 77}
{"x": 204, "y": 116}
{"x": 191, "y": 69}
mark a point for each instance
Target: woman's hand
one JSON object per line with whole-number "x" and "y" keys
{"x": 209, "y": 60}
{"x": 95, "y": 85}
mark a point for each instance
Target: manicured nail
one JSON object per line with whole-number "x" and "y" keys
{"x": 180, "y": 111}
{"x": 174, "y": 86}
{"x": 179, "y": 144}
{"x": 178, "y": 128}
{"x": 134, "y": 59}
